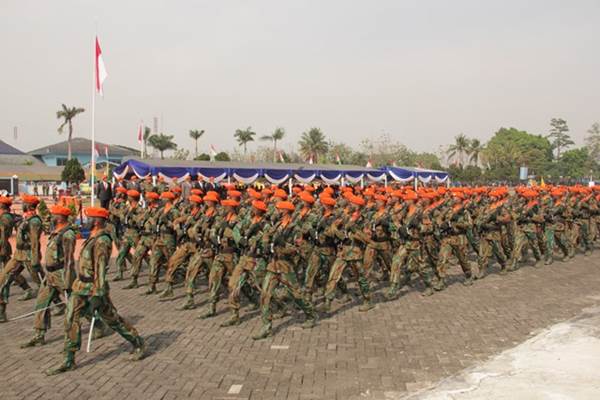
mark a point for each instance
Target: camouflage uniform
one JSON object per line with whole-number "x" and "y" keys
{"x": 145, "y": 224}
{"x": 490, "y": 224}
{"x": 454, "y": 225}
{"x": 127, "y": 214}
{"x": 379, "y": 246}
{"x": 528, "y": 218}
{"x": 164, "y": 245}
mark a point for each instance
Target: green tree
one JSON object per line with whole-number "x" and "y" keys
{"x": 72, "y": 172}
{"x": 460, "y": 148}
{"x": 383, "y": 150}
{"x": 145, "y": 138}
{"x": 196, "y": 134}
{"x": 244, "y": 136}
{"x": 510, "y": 149}
{"x": 202, "y": 157}
{"x": 276, "y": 136}
{"x": 222, "y": 156}
{"x": 427, "y": 160}
{"x": 67, "y": 114}
{"x": 574, "y": 165}
{"x": 592, "y": 141}
{"x": 181, "y": 154}
{"x": 313, "y": 144}
{"x": 475, "y": 150}
{"x": 558, "y": 135}
{"x": 162, "y": 143}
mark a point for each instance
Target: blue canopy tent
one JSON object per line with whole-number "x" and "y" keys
{"x": 274, "y": 173}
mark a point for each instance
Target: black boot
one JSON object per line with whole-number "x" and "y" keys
{"x": 37, "y": 339}
{"x": 67, "y": 365}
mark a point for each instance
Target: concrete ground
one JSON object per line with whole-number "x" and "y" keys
{"x": 398, "y": 349}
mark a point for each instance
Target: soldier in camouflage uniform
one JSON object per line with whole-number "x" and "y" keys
{"x": 147, "y": 186}
{"x": 164, "y": 245}
{"x": 379, "y": 248}
{"x": 90, "y": 295}
{"x": 27, "y": 254}
{"x": 127, "y": 213}
{"x": 490, "y": 223}
{"x": 280, "y": 270}
{"x": 529, "y": 218}
{"x": 350, "y": 231}
{"x": 224, "y": 261}
{"x": 144, "y": 222}
{"x": 7, "y": 224}
{"x": 60, "y": 272}
{"x": 249, "y": 272}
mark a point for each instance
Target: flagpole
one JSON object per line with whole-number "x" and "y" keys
{"x": 93, "y": 167}
{"x": 142, "y": 137}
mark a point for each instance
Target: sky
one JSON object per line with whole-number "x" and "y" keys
{"x": 421, "y": 71}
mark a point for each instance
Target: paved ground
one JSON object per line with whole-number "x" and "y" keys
{"x": 397, "y": 349}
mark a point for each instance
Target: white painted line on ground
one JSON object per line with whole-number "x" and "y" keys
{"x": 235, "y": 389}
{"x": 279, "y": 347}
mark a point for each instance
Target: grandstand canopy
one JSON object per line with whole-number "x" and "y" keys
{"x": 272, "y": 172}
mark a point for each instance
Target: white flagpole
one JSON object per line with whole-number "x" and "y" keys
{"x": 93, "y": 164}
{"x": 142, "y": 141}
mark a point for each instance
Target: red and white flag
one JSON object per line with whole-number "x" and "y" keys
{"x": 96, "y": 153}
{"x": 310, "y": 160}
{"x": 106, "y": 151}
{"x": 213, "y": 151}
{"x": 369, "y": 164}
{"x": 281, "y": 157}
{"x": 140, "y": 134}
{"x": 337, "y": 158}
{"x": 100, "y": 69}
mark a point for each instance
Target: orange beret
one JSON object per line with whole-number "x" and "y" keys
{"x": 60, "y": 210}
{"x": 296, "y": 190}
{"x": 97, "y": 212}
{"x": 380, "y": 197}
{"x": 167, "y": 195}
{"x": 195, "y": 198}
{"x": 357, "y": 200}
{"x": 328, "y": 189}
{"x": 121, "y": 189}
{"x": 307, "y": 197}
{"x": 285, "y": 205}
{"x": 259, "y": 205}
{"x": 254, "y": 194}
{"x": 197, "y": 192}
{"x": 230, "y": 203}
{"x": 328, "y": 201}
{"x": 133, "y": 193}
{"x": 176, "y": 189}
{"x": 152, "y": 195}
{"x": 309, "y": 188}
{"x": 410, "y": 195}
{"x": 211, "y": 196}
{"x": 29, "y": 199}
{"x": 234, "y": 193}
{"x": 267, "y": 191}
{"x": 281, "y": 194}
{"x": 6, "y": 200}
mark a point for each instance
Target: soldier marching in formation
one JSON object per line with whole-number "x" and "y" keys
{"x": 279, "y": 251}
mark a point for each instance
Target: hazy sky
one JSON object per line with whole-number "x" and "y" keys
{"x": 422, "y": 71}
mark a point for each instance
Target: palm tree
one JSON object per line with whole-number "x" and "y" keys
{"x": 459, "y": 148}
{"x": 475, "y": 151}
{"x": 313, "y": 144}
{"x": 244, "y": 136}
{"x": 162, "y": 142}
{"x": 67, "y": 114}
{"x": 196, "y": 134}
{"x": 145, "y": 139}
{"x": 277, "y": 135}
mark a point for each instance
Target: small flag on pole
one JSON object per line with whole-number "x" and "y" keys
{"x": 369, "y": 164}
{"x": 106, "y": 155}
{"x": 140, "y": 134}
{"x": 338, "y": 159}
{"x": 213, "y": 152}
{"x": 100, "y": 69}
{"x": 310, "y": 160}
{"x": 96, "y": 153}
{"x": 281, "y": 157}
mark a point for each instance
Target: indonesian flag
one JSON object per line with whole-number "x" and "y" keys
{"x": 106, "y": 151}
{"x": 281, "y": 157}
{"x": 96, "y": 153}
{"x": 310, "y": 160}
{"x": 140, "y": 134}
{"x": 213, "y": 151}
{"x": 337, "y": 158}
{"x": 369, "y": 164}
{"x": 100, "y": 69}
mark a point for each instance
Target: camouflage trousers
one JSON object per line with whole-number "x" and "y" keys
{"x": 141, "y": 251}
{"x": 201, "y": 260}
{"x": 79, "y": 307}
{"x": 247, "y": 278}
{"x": 524, "y": 239}
{"x": 491, "y": 244}
{"x": 289, "y": 281}
{"x": 408, "y": 259}
{"x": 12, "y": 273}
{"x": 380, "y": 253}
{"x": 453, "y": 245}
{"x": 335, "y": 275}
{"x": 162, "y": 250}
{"x": 581, "y": 235}
{"x": 556, "y": 237}
{"x": 319, "y": 263}
{"x": 129, "y": 242}
{"x": 220, "y": 270}
{"x": 50, "y": 291}
{"x": 178, "y": 260}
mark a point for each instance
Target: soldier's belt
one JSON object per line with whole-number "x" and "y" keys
{"x": 227, "y": 250}
{"x": 52, "y": 268}
{"x": 86, "y": 279}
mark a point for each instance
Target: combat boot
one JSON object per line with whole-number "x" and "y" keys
{"x": 264, "y": 333}
{"x": 549, "y": 260}
{"x": 133, "y": 284}
{"x": 100, "y": 330}
{"x": 439, "y": 285}
{"x": 139, "y": 350}
{"x": 210, "y": 312}
{"x": 468, "y": 280}
{"x": 189, "y": 304}
{"x": 37, "y": 339}
{"x": 118, "y": 277}
{"x": 503, "y": 270}
{"x": 3, "y": 313}
{"x": 67, "y": 365}
{"x": 310, "y": 322}
{"x": 233, "y": 320}
{"x": 151, "y": 289}
{"x": 326, "y": 306}
{"x": 346, "y": 298}
{"x": 427, "y": 292}
{"x": 392, "y": 293}
{"x": 166, "y": 294}
{"x": 28, "y": 295}
{"x": 366, "y": 306}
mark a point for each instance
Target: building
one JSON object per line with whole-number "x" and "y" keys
{"x": 81, "y": 148}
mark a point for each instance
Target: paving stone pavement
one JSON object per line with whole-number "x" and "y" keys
{"x": 398, "y": 348}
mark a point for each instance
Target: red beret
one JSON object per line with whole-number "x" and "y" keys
{"x": 97, "y": 212}
{"x": 307, "y": 197}
{"x": 195, "y": 198}
{"x": 167, "y": 195}
{"x": 121, "y": 189}
{"x": 196, "y": 191}
{"x": 328, "y": 201}
{"x": 285, "y": 205}
{"x": 211, "y": 196}
{"x": 357, "y": 200}
{"x": 176, "y": 189}
{"x": 281, "y": 194}
{"x": 6, "y": 200}
{"x": 60, "y": 210}
{"x": 230, "y": 203}
{"x": 259, "y": 205}
{"x": 133, "y": 193}
{"x": 29, "y": 199}
{"x": 152, "y": 195}
{"x": 234, "y": 193}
